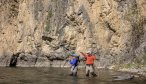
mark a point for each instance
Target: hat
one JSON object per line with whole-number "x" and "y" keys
{"x": 89, "y": 52}
{"x": 74, "y": 55}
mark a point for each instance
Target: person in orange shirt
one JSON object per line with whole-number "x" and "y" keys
{"x": 89, "y": 63}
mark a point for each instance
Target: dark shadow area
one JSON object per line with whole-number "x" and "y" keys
{"x": 13, "y": 61}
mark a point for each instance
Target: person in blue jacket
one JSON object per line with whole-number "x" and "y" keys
{"x": 74, "y": 63}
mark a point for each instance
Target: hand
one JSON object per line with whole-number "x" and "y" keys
{"x": 81, "y": 52}
{"x": 67, "y": 60}
{"x": 96, "y": 59}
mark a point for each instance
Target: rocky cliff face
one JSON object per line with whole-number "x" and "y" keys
{"x": 37, "y": 32}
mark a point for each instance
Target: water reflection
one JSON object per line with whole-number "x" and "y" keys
{"x": 58, "y": 76}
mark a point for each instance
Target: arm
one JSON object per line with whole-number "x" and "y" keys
{"x": 83, "y": 54}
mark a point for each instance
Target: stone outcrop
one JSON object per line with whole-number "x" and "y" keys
{"x": 38, "y": 32}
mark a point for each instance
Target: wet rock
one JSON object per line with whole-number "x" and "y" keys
{"x": 26, "y": 60}
{"x": 42, "y": 62}
{"x": 5, "y": 61}
{"x": 56, "y": 56}
{"x": 5, "y": 58}
{"x": 123, "y": 77}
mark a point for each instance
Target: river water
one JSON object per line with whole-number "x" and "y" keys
{"x": 59, "y": 76}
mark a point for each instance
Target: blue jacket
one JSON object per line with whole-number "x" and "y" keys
{"x": 74, "y": 62}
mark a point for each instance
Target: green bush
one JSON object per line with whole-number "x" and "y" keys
{"x": 54, "y": 0}
{"x": 50, "y": 14}
{"x": 47, "y": 27}
{"x": 144, "y": 71}
{"x": 144, "y": 58}
{"x": 131, "y": 14}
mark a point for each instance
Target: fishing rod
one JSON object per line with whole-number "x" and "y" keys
{"x": 66, "y": 54}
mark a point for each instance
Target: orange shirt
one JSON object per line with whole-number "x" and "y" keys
{"x": 89, "y": 59}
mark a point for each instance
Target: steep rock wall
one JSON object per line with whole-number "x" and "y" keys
{"x": 37, "y": 32}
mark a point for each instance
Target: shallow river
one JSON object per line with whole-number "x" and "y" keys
{"x": 59, "y": 76}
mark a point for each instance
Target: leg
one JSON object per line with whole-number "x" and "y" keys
{"x": 87, "y": 70}
{"x": 75, "y": 71}
{"x": 92, "y": 71}
{"x": 71, "y": 74}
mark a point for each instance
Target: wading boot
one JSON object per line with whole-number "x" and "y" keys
{"x": 93, "y": 74}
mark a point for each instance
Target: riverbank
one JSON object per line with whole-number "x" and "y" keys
{"x": 130, "y": 69}
{"x": 140, "y": 71}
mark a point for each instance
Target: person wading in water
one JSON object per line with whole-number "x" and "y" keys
{"x": 74, "y": 63}
{"x": 89, "y": 63}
